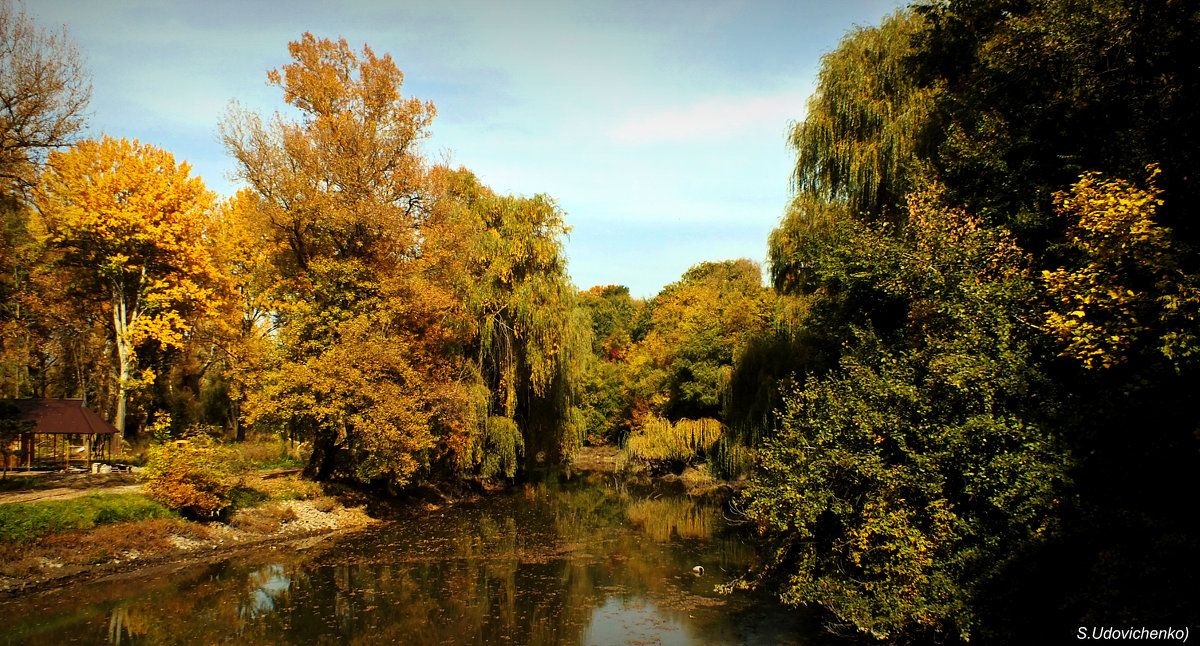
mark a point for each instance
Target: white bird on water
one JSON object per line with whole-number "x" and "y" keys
{"x": 698, "y": 570}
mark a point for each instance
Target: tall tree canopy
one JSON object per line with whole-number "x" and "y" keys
{"x": 460, "y": 295}
{"x": 529, "y": 337}
{"x": 1020, "y": 380}
{"x": 340, "y": 196}
{"x": 698, "y": 326}
{"x": 129, "y": 223}
{"x": 44, "y": 94}
{"x": 858, "y": 144}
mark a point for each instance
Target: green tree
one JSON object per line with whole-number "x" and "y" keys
{"x": 1001, "y": 105}
{"x": 900, "y": 484}
{"x": 865, "y": 124}
{"x": 604, "y": 400}
{"x": 1037, "y": 93}
{"x": 532, "y": 340}
{"x": 698, "y": 326}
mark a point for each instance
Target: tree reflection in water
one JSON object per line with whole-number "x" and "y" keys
{"x": 268, "y": 584}
{"x": 550, "y": 563}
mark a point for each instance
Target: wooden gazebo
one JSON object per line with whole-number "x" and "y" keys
{"x": 66, "y": 420}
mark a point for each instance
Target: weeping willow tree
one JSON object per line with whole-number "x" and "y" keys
{"x": 531, "y": 337}
{"x": 858, "y": 154}
{"x": 856, "y": 146}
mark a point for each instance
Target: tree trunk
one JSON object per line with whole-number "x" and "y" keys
{"x": 235, "y": 418}
{"x": 125, "y": 314}
{"x": 124, "y": 358}
{"x": 323, "y": 458}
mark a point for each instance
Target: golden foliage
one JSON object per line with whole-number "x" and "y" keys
{"x": 1127, "y": 283}
{"x": 667, "y": 518}
{"x": 657, "y": 439}
{"x": 347, "y": 179}
{"x": 190, "y": 475}
{"x": 129, "y": 223}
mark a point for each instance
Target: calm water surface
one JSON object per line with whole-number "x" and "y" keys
{"x": 576, "y": 561}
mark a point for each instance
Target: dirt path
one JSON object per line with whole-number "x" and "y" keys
{"x": 64, "y": 493}
{"x": 43, "y": 486}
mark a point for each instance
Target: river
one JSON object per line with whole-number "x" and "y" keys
{"x": 580, "y": 560}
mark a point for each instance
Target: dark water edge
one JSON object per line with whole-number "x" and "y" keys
{"x": 562, "y": 561}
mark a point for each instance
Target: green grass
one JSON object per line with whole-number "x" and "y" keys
{"x": 27, "y": 522}
{"x": 243, "y": 497}
{"x": 13, "y": 483}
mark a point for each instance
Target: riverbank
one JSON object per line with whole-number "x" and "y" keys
{"x": 558, "y": 557}
{"x": 296, "y": 513}
{"x": 305, "y": 515}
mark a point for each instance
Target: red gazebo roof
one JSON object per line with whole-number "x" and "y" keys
{"x": 62, "y": 416}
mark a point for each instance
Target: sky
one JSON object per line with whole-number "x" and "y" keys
{"x": 657, "y": 126}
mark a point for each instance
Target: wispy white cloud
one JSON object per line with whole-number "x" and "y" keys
{"x": 718, "y": 118}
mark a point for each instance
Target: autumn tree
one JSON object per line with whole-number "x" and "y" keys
{"x": 530, "y": 339}
{"x": 341, "y": 198}
{"x": 240, "y": 333}
{"x": 129, "y": 223}
{"x": 1126, "y": 293}
{"x": 901, "y": 484}
{"x": 1034, "y": 94}
{"x": 192, "y": 475}
{"x": 1049, "y": 354}
{"x": 12, "y": 426}
{"x": 698, "y": 326}
{"x": 344, "y": 183}
{"x": 44, "y": 93}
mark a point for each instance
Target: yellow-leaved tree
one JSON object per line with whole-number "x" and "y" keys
{"x": 129, "y": 223}
{"x": 243, "y": 330}
{"x": 1126, "y": 289}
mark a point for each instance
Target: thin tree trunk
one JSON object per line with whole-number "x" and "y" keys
{"x": 235, "y": 413}
{"x": 125, "y": 314}
{"x": 125, "y": 360}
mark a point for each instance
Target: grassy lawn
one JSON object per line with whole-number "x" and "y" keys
{"x": 27, "y": 522}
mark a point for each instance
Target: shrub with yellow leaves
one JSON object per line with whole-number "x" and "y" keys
{"x": 191, "y": 475}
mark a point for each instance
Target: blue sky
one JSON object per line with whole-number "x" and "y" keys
{"x": 657, "y": 126}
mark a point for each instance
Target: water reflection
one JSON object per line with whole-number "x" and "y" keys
{"x": 268, "y": 585}
{"x": 550, "y": 563}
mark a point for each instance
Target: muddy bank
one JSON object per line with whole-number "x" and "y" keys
{"x": 122, "y": 548}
